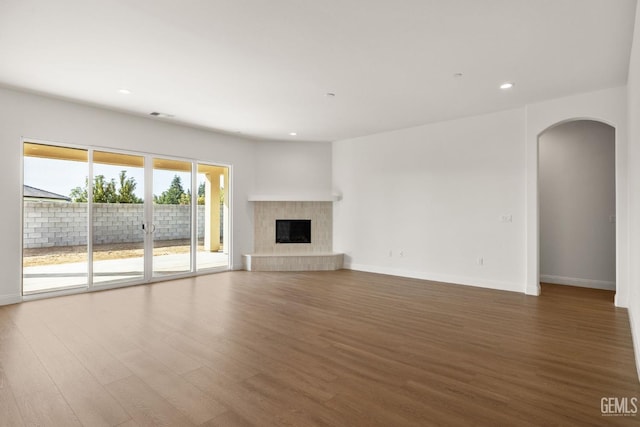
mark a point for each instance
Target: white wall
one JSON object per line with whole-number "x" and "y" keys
{"x": 577, "y": 203}
{"x": 32, "y": 116}
{"x": 436, "y": 192}
{"x": 426, "y": 202}
{"x": 292, "y": 168}
{"x": 633, "y": 93}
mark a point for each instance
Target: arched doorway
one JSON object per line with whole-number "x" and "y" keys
{"x": 577, "y": 204}
{"x": 607, "y": 106}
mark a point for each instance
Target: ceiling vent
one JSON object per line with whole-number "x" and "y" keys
{"x": 163, "y": 115}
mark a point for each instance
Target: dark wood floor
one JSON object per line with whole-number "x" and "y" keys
{"x": 336, "y": 348}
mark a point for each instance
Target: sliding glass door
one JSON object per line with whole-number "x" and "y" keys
{"x": 172, "y": 215}
{"x": 54, "y": 244}
{"x": 97, "y": 218}
{"x": 118, "y": 215}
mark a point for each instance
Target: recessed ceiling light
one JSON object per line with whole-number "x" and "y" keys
{"x": 457, "y": 75}
{"x": 506, "y": 85}
{"x": 330, "y": 94}
{"x": 293, "y": 133}
{"x": 124, "y": 91}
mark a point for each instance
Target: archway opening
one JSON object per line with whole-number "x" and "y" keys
{"x": 577, "y": 205}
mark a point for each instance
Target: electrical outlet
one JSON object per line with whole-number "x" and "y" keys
{"x": 480, "y": 261}
{"x": 506, "y": 218}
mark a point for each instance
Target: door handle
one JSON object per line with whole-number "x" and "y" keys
{"x": 148, "y": 229}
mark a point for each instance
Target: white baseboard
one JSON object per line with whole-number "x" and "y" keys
{"x": 574, "y": 281}
{"x": 10, "y": 299}
{"x": 634, "y": 322}
{"x": 534, "y": 290}
{"x": 435, "y": 277}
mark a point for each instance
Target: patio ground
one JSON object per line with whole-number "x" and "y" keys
{"x": 49, "y": 269}
{"x": 67, "y": 254}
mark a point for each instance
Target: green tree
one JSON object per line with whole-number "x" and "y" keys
{"x": 79, "y": 194}
{"x": 106, "y": 191}
{"x": 201, "y": 191}
{"x": 173, "y": 195}
{"x": 176, "y": 195}
{"x": 126, "y": 193}
{"x": 185, "y": 198}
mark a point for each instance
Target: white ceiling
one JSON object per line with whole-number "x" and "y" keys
{"x": 263, "y": 67}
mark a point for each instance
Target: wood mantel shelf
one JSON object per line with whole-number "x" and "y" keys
{"x": 294, "y": 198}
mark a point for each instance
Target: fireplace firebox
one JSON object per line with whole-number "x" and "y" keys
{"x": 293, "y": 231}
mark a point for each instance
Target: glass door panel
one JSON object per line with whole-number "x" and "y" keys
{"x": 212, "y": 217}
{"x": 118, "y": 217}
{"x": 55, "y": 210}
{"x": 95, "y": 217}
{"x": 171, "y": 225}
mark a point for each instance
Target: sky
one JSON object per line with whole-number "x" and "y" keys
{"x": 61, "y": 176}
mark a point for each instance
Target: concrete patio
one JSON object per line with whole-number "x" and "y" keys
{"x": 52, "y": 277}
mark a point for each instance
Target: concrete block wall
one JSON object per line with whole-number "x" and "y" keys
{"x": 49, "y": 224}
{"x": 173, "y": 222}
{"x": 117, "y": 223}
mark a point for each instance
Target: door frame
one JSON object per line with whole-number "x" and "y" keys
{"x": 148, "y": 216}
{"x": 533, "y": 205}
{"x": 616, "y": 191}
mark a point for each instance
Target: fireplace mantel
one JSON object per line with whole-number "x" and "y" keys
{"x": 295, "y": 198}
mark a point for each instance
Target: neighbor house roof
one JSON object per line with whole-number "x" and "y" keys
{"x": 36, "y": 193}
